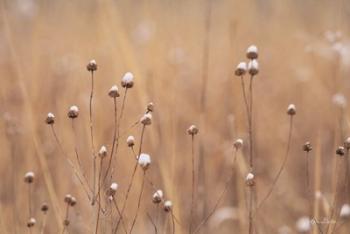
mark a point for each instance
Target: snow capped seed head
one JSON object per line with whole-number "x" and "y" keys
{"x": 252, "y": 52}
{"x": 307, "y": 147}
{"x": 31, "y": 222}
{"x": 73, "y": 201}
{"x": 128, "y": 80}
{"x": 168, "y": 205}
{"x": 303, "y": 224}
{"x": 340, "y": 151}
{"x": 192, "y": 130}
{"x": 150, "y": 107}
{"x": 144, "y": 161}
{"x": 91, "y": 66}
{"x": 249, "y": 180}
{"x": 114, "y": 92}
{"x": 253, "y": 67}
{"x": 291, "y": 110}
{"x": 50, "y": 119}
{"x": 241, "y": 69}
{"x": 73, "y": 112}
{"x": 347, "y": 143}
{"x": 339, "y": 100}
{"x": 345, "y": 211}
{"x": 130, "y": 141}
{"x": 44, "y": 207}
{"x": 29, "y": 177}
{"x": 146, "y": 119}
{"x": 68, "y": 198}
{"x": 112, "y": 189}
{"x": 157, "y": 196}
{"x": 238, "y": 144}
{"x": 102, "y": 152}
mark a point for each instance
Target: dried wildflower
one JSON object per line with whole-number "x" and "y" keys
{"x": 29, "y": 177}
{"x": 44, "y": 207}
{"x": 114, "y": 92}
{"x": 168, "y": 205}
{"x": 68, "y": 198}
{"x": 303, "y": 224}
{"x": 347, "y": 143}
{"x": 112, "y": 189}
{"x": 31, "y": 222}
{"x": 241, "y": 69}
{"x": 66, "y": 222}
{"x": 73, "y": 201}
{"x": 157, "y": 197}
{"x": 146, "y": 119}
{"x": 340, "y": 151}
{"x": 91, "y": 66}
{"x": 249, "y": 180}
{"x": 50, "y": 119}
{"x": 144, "y": 161}
{"x": 307, "y": 147}
{"x": 128, "y": 80}
{"x": 252, "y": 52}
{"x": 130, "y": 141}
{"x": 192, "y": 130}
{"x": 345, "y": 211}
{"x": 291, "y": 110}
{"x": 238, "y": 144}
{"x": 253, "y": 67}
{"x": 102, "y": 153}
{"x": 73, "y": 112}
{"x": 339, "y": 100}
{"x": 150, "y": 107}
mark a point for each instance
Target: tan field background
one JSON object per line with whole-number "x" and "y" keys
{"x": 183, "y": 55}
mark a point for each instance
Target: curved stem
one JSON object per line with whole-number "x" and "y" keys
{"x": 92, "y": 136}
{"x": 99, "y": 196}
{"x": 120, "y": 215}
{"x": 193, "y": 184}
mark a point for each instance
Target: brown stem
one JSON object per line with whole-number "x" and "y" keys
{"x": 120, "y": 214}
{"x": 193, "y": 184}
{"x": 92, "y": 136}
{"x": 99, "y": 196}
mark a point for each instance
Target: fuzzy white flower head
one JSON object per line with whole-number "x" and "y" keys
{"x": 303, "y": 224}
{"x": 252, "y": 52}
{"x": 130, "y": 141}
{"x": 144, "y": 161}
{"x": 238, "y": 144}
{"x": 114, "y": 92}
{"x": 168, "y": 206}
{"x": 50, "y": 119}
{"x": 241, "y": 69}
{"x": 339, "y": 100}
{"x": 112, "y": 190}
{"x": 29, "y": 177}
{"x": 157, "y": 196}
{"x": 73, "y": 112}
{"x": 249, "y": 180}
{"x": 114, "y": 186}
{"x": 91, "y": 66}
{"x": 128, "y": 80}
{"x": 31, "y": 222}
{"x": 345, "y": 211}
{"x": 291, "y": 110}
{"x": 253, "y": 67}
{"x": 146, "y": 119}
{"x": 103, "y": 152}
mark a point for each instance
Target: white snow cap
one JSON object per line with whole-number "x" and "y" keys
{"x": 130, "y": 141}
{"x": 114, "y": 186}
{"x": 128, "y": 77}
{"x": 345, "y": 211}
{"x": 253, "y": 65}
{"x": 50, "y": 115}
{"x": 144, "y": 160}
{"x": 303, "y": 224}
{"x": 339, "y": 100}
{"x": 92, "y": 61}
{"x": 252, "y": 49}
{"x": 242, "y": 65}
{"x": 74, "y": 108}
{"x": 158, "y": 193}
{"x": 250, "y": 176}
{"x": 103, "y": 151}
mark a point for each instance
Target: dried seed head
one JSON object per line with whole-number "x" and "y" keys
{"x": 192, "y": 130}
{"x": 303, "y": 224}
{"x": 347, "y": 143}
{"x": 249, "y": 180}
{"x": 114, "y": 92}
{"x": 339, "y": 100}
{"x": 91, "y": 66}
{"x": 253, "y": 67}
{"x": 238, "y": 144}
{"x": 252, "y": 52}
{"x": 44, "y": 207}
{"x": 66, "y": 222}
{"x": 168, "y": 205}
{"x": 340, "y": 151}
{"x": 73, "y": 112}
{"x": 157, "y": 197}
{"x": 50, "y": 119}
{"x": 31, "y": 222}
{"x": 291, "y": 110}
{"x": 144, "y": 161}
{"x": 146, "y": 119}
{"x": 29, "y": 177}
{"x": 345, "y": 211}
{"x": 128, "y": 80}
{"x": 102, "y": 153}
{"x": 112, "y": 189}
{"x": 73, "y": 201}
{"x": 130, "y": 141}
{"x": 68, "y": 198}
{"x": 150, "y": 107}
{"x": 241, "y": 69}
{"x": 307, "y": 147}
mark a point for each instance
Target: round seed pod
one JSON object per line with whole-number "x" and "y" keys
{"x": 146, "y": 119}
{"x": 130, "y": 141}
{"x": 31, "y": 222}
{"x": 68, "y": 198}
{"x": 91, "y": 66}
{"x": 73, "y": 112}
{"x": 249, "y": 180}
{"x": 66, "y": 222}
{"x": 291, "y": 110}
{"x": 50, "y": 119}
{"x": 168, "y": 205}
{"x": 144, "y": 161}
{"x": 150, "y": 107}
{"x": 238, "y": 144}
{"x": 253, "y": 67}
{"x": 241, "y": 69}
{"x": 44, "y": 207}
{"x": 73, "y": 202}
{"x": 340, "y": 151}
{"x": 111, "y": 191}
{"x": 102, "y": 153}
{"x": 347, "y": 143}
{"x": 193, "y": 130}
{"x": 307, "y": 147}
{"x": 252, "y": 52}
{"x": 128, "y": 80}
{"x": 157, "y": 197}
{"x": 114, "y": 92}
{"x": 29, "y": 177}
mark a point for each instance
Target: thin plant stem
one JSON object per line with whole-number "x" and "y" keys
{"x": 76, "y": 149}
{"x": 92, "y": 136}
{"x": 138, "y": 202}
{"x": 275, "y": 180}
{"x": 120, "y": 214}
{"x": 153, "y": 223}
{"x": 99, "y": 196}
{"x": 66, "y": 218}
{"x": 43, "y": 224}
{"x": 193, "y": 184}
{"x": 173, "y": 222}
{"x": 250, "y": 120}
{"x": 245, "y": 97}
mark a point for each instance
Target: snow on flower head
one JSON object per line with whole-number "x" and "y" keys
{"x": 144, "y": 160}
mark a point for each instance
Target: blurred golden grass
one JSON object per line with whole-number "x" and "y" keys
{"x": 45, "y": 45}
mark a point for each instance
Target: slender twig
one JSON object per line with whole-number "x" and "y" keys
{"x": 139, "y": 202}
{"x": 76, "y": 149}
{"x": 193, "y": 184}
{"x": 99, "y": 196}
{"x": 66, "y": 218}
{"x": 250, "y": 126}
{"x": 43, "y": 223}
{"x": 153, "y": 223}
{"x": 120, "y": 214}
{"x": 92, "y": 136}
{"x": 173, "y": 222}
